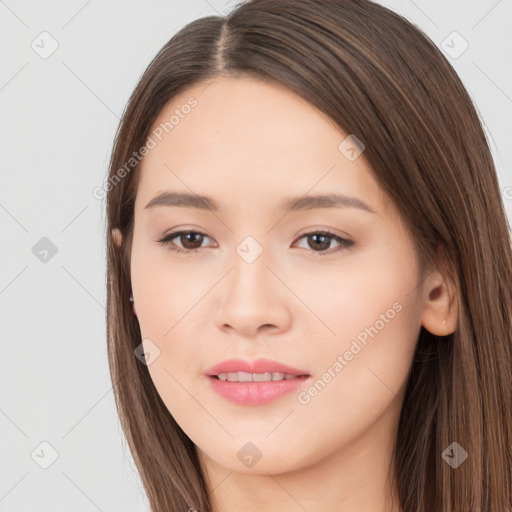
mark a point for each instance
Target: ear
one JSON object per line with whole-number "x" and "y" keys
{"x": 440, "y": 303}
{"x": 117, "y": 236}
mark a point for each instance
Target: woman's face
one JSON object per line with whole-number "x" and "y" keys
{"x": 260, "y": 280}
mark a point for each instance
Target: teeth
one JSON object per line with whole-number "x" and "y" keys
{"x": 254, "y": 377}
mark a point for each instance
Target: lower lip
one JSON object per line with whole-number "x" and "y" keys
{"x": 255, "y": 393}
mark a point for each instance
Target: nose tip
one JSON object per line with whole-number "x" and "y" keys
{"x": 252, "y": 300}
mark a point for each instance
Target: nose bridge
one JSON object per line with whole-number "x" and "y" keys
{"x": 251, "y": 297}
{"x": 250, "y": 272}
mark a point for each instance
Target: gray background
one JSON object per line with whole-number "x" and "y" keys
{"x": 59, "y": 114}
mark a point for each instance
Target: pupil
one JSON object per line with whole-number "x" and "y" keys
{"x": 191, "y": 235}
{"x": 323, "y": 245}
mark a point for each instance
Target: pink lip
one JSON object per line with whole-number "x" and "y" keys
{"x": 254, "y": 393}
{"x": 257, "y": 366}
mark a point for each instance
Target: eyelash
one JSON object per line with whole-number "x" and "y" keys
{"x": 345, "y": 243}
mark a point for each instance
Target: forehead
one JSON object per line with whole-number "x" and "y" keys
{"x": 251, "y": 137}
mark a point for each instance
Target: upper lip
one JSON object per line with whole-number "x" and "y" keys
{"x": 256, "y": 366}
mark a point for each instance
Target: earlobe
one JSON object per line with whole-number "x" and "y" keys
{"x": 440, "y": 307}
{"x": 117, "y": 236}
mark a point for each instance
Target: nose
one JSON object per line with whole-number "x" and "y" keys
{"x": 253, "y": 300}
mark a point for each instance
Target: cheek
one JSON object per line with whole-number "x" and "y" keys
{"x": 367, "y": 288}
{"x": 372, "y": 312}
{"x": 170, "y": 312}
{"x": 166, "y": 291}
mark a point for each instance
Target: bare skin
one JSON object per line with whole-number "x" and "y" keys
{"x": 250, "y": 145}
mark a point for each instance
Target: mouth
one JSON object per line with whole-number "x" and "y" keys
{"x": 257, "y": 377}
{"x": 255, "y": 383}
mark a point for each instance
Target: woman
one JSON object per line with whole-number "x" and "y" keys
{"x": 309, "y": 270}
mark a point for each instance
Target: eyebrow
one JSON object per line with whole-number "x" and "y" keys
{"x": 291, "y": 204}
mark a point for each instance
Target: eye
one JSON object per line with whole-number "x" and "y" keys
{"x": 321, "y": 240}
{"x": 190, "y": 239}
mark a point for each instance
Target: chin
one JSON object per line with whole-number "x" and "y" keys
{"x": 259, "y": 457}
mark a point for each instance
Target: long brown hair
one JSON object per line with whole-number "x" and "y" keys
{"x": 377, "y": 76}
